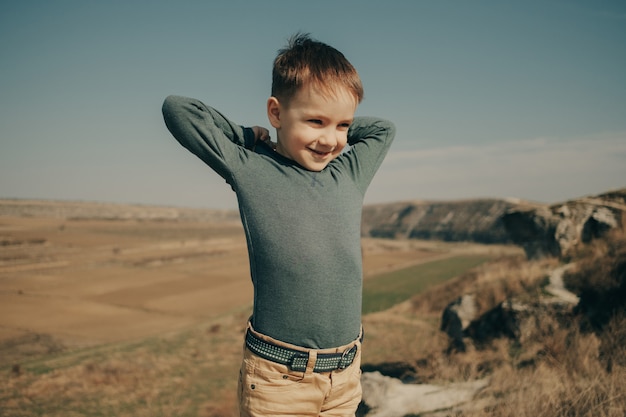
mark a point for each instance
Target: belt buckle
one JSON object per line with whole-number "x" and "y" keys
{"x": 344, "y": 361}
{"x": 299, "y": 362}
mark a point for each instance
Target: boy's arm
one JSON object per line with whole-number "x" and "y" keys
{"x": 368, "y": 129}
{"x": 208, "y": 134}
{"x": 370, "y": 139}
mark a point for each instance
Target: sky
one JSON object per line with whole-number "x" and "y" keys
{"x": 491, "y": 99}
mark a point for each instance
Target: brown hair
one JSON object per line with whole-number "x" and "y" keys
{"x": 309, "y": 62}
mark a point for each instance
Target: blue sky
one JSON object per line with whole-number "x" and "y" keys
{"x": 519, "y": 99}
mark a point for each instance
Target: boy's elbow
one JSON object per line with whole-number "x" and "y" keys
{"x": 176, "y": 108}
{"x": 391, "y": 129}
{"x": 169, "y": 104}
{"x": 388, "y": 127}
{"x": 172, "y": 113}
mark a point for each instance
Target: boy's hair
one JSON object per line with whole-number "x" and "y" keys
{"x": 306, "y": 61}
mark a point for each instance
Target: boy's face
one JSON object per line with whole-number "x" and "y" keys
{"x": 312, "y": 128}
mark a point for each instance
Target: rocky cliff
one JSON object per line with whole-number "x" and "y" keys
{"x": 541, "y": 229}
{"x": 558, "y": 229}
{"x": 464, "y": 220}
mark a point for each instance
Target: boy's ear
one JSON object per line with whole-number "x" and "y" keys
{"x": 273, "y": 112}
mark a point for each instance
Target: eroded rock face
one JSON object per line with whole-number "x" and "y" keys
{"x": 558, "y": 229}
{"x": 455, "y": 221}
{"x": 542, "y": 230}
{"x": 535, "y": 230}
{"x": 456, "y": 318}
{"x": 515, "y": 319}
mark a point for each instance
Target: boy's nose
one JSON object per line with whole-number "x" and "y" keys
{"x": 328, "y": 139}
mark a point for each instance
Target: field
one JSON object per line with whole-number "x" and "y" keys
{"x": 144, "y": 316}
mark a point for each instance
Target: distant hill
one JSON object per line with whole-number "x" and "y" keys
{"x": 541, "y": 229}
{"x": 79, "y": 210}
{"x": 477, "y": 220}
{"x": 466, "y": 220}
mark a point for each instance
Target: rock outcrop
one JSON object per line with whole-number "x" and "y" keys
{"x": 523, "y": 319}
{"x": 456, "y": 318}
{"x": 541, "y": 229}
{"x": 389, "y": 397}
{"x": 556, "y": 230}
{"x": 513, "y": 319}
{"x": 519, "y": 321}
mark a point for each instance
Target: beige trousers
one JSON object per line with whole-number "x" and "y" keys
{"x": 270, "y": 389}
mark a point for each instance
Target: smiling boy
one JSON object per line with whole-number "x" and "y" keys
{"x": 300, "y": 202}
{"x": 316, "y": 125}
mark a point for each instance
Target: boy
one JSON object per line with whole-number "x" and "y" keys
{"x": 300, "y": 202}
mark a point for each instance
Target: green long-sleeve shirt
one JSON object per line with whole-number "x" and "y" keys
{"x": 302, "y": 227}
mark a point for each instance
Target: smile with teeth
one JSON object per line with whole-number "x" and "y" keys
{"x": 321, "y": 154}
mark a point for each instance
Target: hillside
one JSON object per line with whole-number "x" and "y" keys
{"x": 84, "y": 210}
{"x": 134, "y": 310}
{"x": 559, "y": 229}
{"x": 549, "y": 327}
{"x": 541, "y": 229}
{"x": 450, "y": 221}
{"x": 509, "y": 330}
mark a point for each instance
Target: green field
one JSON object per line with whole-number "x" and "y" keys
{"x": 387, "y": 290}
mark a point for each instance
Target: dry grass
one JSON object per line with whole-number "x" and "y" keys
{"x": 558, "y": 368}
{"x": 492, "y": 283}
{"x": 555, "y": 370}
{"x": 191, "y": 373}
{"x": 550, "y": 391}
{"x": 568, "y": 381}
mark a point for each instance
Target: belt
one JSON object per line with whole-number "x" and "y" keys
{"x": 297, "y": 360}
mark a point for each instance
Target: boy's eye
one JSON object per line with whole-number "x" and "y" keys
{"x": 315, "y": 121}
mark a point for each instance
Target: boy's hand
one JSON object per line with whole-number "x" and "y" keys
{"x": 263, "y": 135}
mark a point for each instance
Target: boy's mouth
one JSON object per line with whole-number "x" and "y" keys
{"x": 320, "y": 154}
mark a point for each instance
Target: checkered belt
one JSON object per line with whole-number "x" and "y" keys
{"x": 297, "y": 360}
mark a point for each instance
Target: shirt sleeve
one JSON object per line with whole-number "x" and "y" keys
{"x": 369, "y": 139}
{"x": 208, "y": 134}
